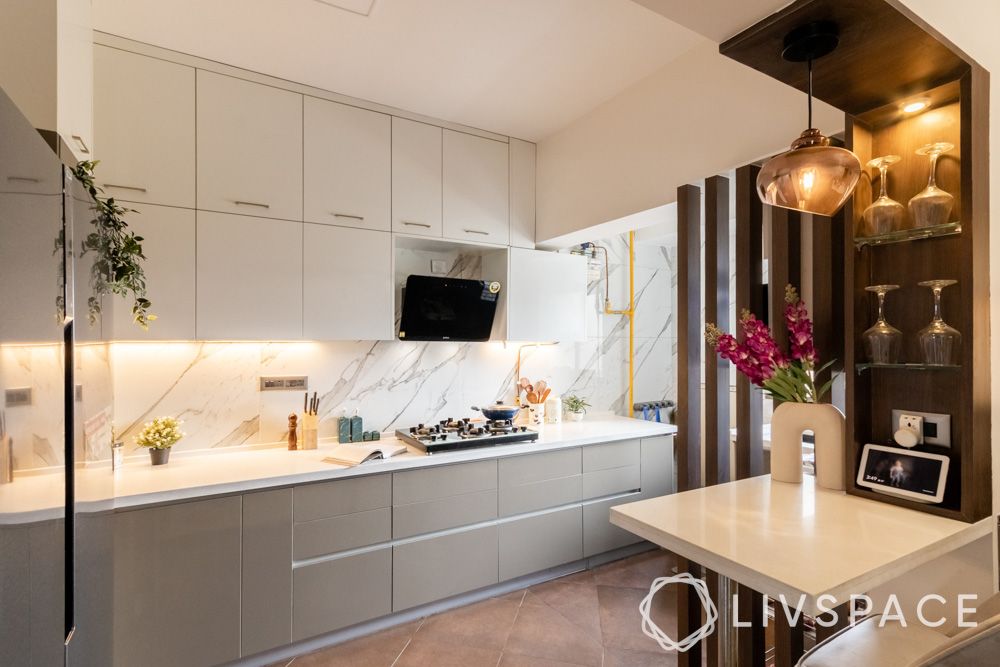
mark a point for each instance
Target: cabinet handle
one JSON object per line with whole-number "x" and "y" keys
{"x": 416, "y": 224}
{"x": 23, "y": 179}
{"x": 82, "y": 143}
{"x": 348, "y": 215}
{"x": 476, "y": 231}
{"x": 251, "y": 203}
{"x": 125, "y": 187}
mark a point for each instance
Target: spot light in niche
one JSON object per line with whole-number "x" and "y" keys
{"x": 913, "y": 106}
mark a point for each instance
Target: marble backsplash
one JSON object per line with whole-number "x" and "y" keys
{"x": 213, "y": 387}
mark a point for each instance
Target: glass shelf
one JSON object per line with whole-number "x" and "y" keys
{"x": 861, "y": 368}
{"x": 910, "y": 235}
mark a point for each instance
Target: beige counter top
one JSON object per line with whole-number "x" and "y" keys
{"x": 196, "y": 475}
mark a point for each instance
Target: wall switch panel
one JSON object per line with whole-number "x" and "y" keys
{"x": 17, "y": 397}
{"x": 284, "y": 383}
{"x": 934, "y": 430}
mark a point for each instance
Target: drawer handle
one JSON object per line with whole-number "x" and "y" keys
{"x": 476, "y": 231}
{"x": 82, "y": 143}
{"x": 134, "y": 188}
{"x": 251, "y": 203}
{"x": 416, "y": 224}
{"x": 23, "y": 179}
{"x": 348, "y": 215}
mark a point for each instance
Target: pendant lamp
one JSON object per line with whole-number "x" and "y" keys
{"x": 813, "y": 177}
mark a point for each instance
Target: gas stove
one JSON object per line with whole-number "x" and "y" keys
{"x": 454, "y": 434}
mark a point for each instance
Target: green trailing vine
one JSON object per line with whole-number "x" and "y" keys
{"x": 118, "y": 266}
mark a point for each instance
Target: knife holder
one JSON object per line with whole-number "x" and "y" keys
{"x": 310, "y": 432}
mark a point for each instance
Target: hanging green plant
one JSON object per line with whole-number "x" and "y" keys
{"x": 118, "y": 267}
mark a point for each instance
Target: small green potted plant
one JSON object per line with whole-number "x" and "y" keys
{"x": 159, "y": 436}
{"x": 576, "y": 407}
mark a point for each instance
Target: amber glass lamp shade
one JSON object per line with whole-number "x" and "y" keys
{"x": 813, "y": 177}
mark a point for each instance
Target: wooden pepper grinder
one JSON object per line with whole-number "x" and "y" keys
{"x": 293, "y": 438}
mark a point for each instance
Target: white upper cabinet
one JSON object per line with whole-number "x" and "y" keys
{"x": 416, "y": 178}
{"x": 347, "y": 283}
{"x": 522, "y": 193}
{"x": 475, "y": 189}
{"x": 75, "y": 67}
{"x": 347, "y": 165}
{"x": 546, "y": 296}
{"x": 144, "y": 120}
{"x": 168, "y": 235}
{"x": 249, "y": 148}
{"x": 249, "y": 278}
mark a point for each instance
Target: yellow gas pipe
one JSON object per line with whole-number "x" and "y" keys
{"x": 629, "y": 313}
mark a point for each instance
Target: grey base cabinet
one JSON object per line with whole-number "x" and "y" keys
{"x": 267, "y": 570}
{"x": 336, "y": 593}
{"x": 177, "y": 584}
{"x": 435, "y": 568}
{"x": 539, "y": 542}
{"x": 599, "y": 534}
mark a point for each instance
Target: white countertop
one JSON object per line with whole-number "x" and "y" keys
{"x": 795, "y": 539}
{"x": 39, "y": 497}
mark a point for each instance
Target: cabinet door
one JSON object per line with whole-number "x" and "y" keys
{"x": 475, "y": 188}
{"x": 177, "y": 584}
{"x": 169, "y": 245}
{"x": 249, "y": 148}
{"x": 522, "y": 194}
{"x": 249, "y": 278}
{"x": 435, "y": 568}
{"x": 75, "y": 76}
{"x": 144, "y": 124}
{"x": 546, "y": 296}
{"x": 541, "y": 541}
{"x": 347, "y": 165}
{"x": 347, "y": 283}
{"x": 266, "y": 570}
{"x": 416, "y": 178}
{"x": 333, "y": 594}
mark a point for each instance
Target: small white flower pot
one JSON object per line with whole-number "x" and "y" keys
{"x": 575, "y": 416}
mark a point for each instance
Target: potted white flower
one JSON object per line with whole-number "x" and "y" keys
{"x": 159, "y": 436}
{"x": 576, "y": 407}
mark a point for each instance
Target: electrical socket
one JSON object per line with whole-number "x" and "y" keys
{"x": 284, "y": 383}
{"x": 913, "y": 423}
{"x": 935, "y": 429}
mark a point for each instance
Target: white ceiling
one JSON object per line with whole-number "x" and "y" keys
{"x": 524, "y": 68}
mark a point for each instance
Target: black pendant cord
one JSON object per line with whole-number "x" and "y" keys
{"x": 810, "y": 94}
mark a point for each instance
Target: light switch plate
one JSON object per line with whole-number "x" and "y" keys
{"x": 17, "y": 397}
{"x": 937, "y": 427}
{"x": 439, "y": 267}
{"x": 284, "y": 383}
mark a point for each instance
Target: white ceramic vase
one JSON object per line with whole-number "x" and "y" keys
{"x": 575, "y": 416}
{"x": 826, "y": 422}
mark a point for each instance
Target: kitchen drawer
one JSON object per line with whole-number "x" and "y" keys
{"x": 599, "y": 534}
{"x": 346, "y": 496}
{"x": 657, "y": 466}
{"x": 538, "y": 481}
{"x": 613, "y": 480}
{"x": 438, "y": 567}
{"x": 611, "y": 455}
{"x": 444, "y": 513}
{"x": 415, "y": 486}
{"x": 340, "y": 592}
{"x": 340, "y": 533}
{"x": 539, "y": 542}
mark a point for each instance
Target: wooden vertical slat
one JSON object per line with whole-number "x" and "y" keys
{"x": 717, "y": 311}
{"x": 784, "y": 267}
{"x": 789, "y": 640}
{"x": 689, "y": 337}
{"x": 750, "y": 649}
{"x": 749, "y": 399}
{"x": 689, "y": 615}
{"x": 826, "y": 304}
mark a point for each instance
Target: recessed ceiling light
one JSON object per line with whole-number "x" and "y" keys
{"x": 915, "y": 105}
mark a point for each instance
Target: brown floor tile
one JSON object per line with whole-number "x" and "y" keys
{"x": 484, "y": 624}
{"x": 424, "y": 652}
{"x": 542, "y": 632}
{"x": 621, "y": 622}
{"x": 582, "y": 577}
{"x": 513, "y": 660}
{"x": 517, "y": 596}
{"x": 635, "y": 572}
{"x": 577, "y": 602}
{"x": 623, "y": 657}
{"x": 377, "y": 650}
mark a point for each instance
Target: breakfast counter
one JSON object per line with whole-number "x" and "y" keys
{"x": 38, "y": 497}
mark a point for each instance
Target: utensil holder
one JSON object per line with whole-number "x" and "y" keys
{"x": 310, "y": 432}
{"x": 536, "y": 412}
